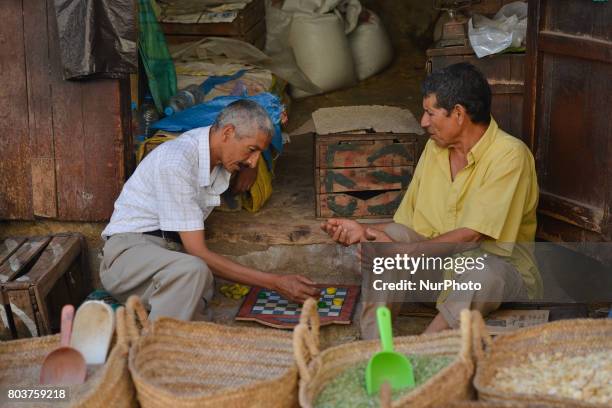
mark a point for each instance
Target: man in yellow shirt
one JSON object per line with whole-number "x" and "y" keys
{"x": 474, "y": 184}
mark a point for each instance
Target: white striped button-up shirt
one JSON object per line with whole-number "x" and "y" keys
{"x": 172, "y": 189}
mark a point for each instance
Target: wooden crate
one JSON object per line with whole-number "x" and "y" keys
{"x": 248, "y": 26}
{"x": 362, "y": 175}
{"x": 38, "y": 275}
{"x": 255, "y": 36}
{"x": 506, "y": 76}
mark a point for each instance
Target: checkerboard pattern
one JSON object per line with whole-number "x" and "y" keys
{"x": 274, "y": 304}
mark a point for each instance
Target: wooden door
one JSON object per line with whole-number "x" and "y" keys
{"x": 62, "y": 143}
{"x": 568, "y": 112}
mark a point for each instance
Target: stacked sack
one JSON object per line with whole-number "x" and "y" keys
{"x": 334, "y": 42}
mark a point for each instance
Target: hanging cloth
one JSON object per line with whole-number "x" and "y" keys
{"x": 155, "y": 57}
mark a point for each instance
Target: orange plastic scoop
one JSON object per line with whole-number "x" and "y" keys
{"x": 64, "y": 365}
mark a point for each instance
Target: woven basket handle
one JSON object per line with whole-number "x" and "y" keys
{"x": 121, "y": 327}
{"x": 466, "y": 334}
{"x": 135, "y": 315}
{"x": 481, "y": 339}
{"x": 306, "y": 339}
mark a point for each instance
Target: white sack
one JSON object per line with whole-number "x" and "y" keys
{"x": 278, "y": 23}
{"x": 321, "y": 51}
{"x": 371, "y": 47}
{"x": 347, "y": 10}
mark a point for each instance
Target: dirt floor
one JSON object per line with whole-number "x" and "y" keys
{"x": 286, "y": 228}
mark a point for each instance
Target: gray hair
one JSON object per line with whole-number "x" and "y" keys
{"x": 247, "y": 117}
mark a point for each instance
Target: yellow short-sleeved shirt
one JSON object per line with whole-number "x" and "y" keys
{"x": 496, "y": 194}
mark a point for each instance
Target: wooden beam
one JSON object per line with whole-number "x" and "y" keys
{"x": 507, "y": 88}
{"x": 593, "y": 245}
{"x": 575, "y": 46}
{"x": 575, "y": 213}
{"x": 532, "y": 70}
{"x": 232, "y": 230}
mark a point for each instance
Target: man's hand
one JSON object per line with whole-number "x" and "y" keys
{"x": 296, "y": 288}
{"x": 343, "y": 231}
{"x": 244, "y": 180}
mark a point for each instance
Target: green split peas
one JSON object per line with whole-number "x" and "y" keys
{"x": 348, "y": 390}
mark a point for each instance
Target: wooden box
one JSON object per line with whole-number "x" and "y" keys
{"x": 248, "y": 26}
{"x": 506, "y": 76}
{"x": 38, "y": 276}
{"x": 362, "y": 175}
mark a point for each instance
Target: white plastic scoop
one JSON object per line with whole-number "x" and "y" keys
{"x": 92, "y": 331}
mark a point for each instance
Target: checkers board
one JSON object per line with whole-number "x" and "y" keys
{"x": 271, "y": 309}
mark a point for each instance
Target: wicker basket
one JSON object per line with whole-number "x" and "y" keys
{"x": 316, "y": 369}
{"x": 569, "y": 337}
{"x": 198, "y": 364}
{"x": 107, "y": 385}
{"x": 483, "y": 404}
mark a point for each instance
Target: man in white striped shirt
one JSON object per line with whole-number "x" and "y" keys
{"x": 165, "y": 203}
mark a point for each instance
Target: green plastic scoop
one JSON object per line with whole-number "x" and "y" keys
{"x": 387, "y": 365}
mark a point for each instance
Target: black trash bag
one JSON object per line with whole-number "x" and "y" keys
{"x": 97, "y": 38}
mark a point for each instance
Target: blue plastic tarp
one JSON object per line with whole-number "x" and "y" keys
{"x": 215, "y": 80}
{"x": 205, "y": 114}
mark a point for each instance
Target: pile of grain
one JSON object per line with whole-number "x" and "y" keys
{"x": 348, "y": 390}
{"x": 586, "y": 377}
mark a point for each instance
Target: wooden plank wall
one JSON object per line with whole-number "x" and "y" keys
{"x": 15, "y": 198}
{"x": 63, "y": 143}
{"x": 568, "y": 120}
{"x": 40, "y": 109}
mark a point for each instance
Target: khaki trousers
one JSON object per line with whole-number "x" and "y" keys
{"x": 170, "y": 283}
{"x": 499, "y": 279}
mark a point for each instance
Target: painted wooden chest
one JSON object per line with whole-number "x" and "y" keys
{"x": 362, "y": 175}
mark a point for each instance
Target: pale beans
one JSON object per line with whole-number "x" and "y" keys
{"x": 587, "y": 377}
